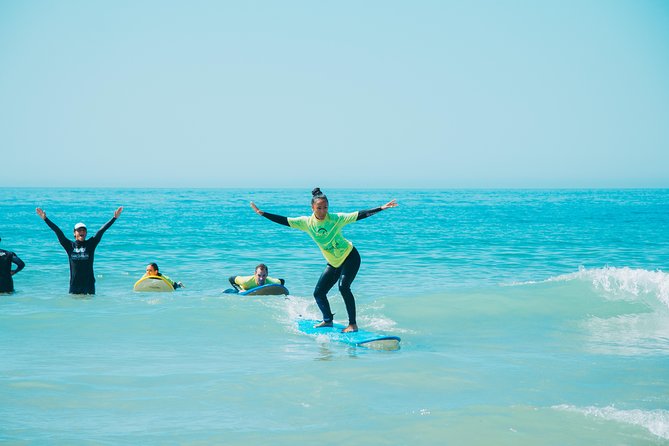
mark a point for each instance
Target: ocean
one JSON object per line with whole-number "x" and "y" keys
{"x": 527, "y": 317}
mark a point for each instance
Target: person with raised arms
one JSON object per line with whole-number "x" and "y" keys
{"x": 343, "y": 259}
{"x": 7, "y": 258}
{"x": 80, "y": 252}
{"x": 259, "y": 278}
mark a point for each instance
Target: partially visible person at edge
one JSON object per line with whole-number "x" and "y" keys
{"x": 343, "y": 259}
{"x": 259, "y": 278}
{"x": 80, "y": 252}
{"x": 6, "y": 271}
{"x": 152, "y": 270}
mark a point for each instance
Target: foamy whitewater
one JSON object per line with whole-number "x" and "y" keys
{"x": 527, "y": 317}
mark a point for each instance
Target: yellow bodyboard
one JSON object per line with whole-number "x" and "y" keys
{"x": 154, "y": 284}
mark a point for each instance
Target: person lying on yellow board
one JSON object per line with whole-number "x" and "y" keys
{"x": 152, "y": 270}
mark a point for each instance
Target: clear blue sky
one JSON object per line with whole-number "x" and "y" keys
{"x": 556, "y": 93}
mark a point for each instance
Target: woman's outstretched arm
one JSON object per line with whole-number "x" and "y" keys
{"x": 370, "y": 212}
{"x": 275, "y": 218}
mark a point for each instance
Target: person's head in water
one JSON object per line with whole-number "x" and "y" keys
{"x": 319, "y": 203}
{"x": 152, "y": 269}
{"x": 80, "y": 232}
{"x": 261, "y": 273}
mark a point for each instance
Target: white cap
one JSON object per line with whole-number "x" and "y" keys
{"x": 79, "y": 225}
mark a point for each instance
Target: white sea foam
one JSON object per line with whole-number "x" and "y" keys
{"x": 655, "y": 421}
{"x": 624, "y": 283}
{"x": 299, "y": 307}
{"x": 378, "y": 323}
{"x": 635, "y": 332}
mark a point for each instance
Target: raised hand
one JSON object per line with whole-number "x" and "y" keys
{"x": 390, "y": 204}
{"x": 255, "y": 208}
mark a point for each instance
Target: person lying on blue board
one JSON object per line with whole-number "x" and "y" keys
{"x": 152, "y": 270}
{"x": 259, "y": 278}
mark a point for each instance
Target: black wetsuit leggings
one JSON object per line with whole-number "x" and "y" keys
{"x": 345, "y": 275}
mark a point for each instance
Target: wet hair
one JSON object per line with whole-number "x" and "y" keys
{"x": 263, "y": 267}
{"x": 317, "y": 194}
{"x": 154, "y": 266}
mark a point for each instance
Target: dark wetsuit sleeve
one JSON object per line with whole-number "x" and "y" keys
{"x": 283, "y": 282}
{"x": 368, "y": 213}
{"x": 102, "y": 230}
{"x": 105, "y": 227}
{"x": 64, "y": 241}
{"x": 231, "y": 279}
{"x": 18, "y": 262}
{"x": 276, "y": 218}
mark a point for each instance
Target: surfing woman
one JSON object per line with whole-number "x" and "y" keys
{"x": 342, "y": 257}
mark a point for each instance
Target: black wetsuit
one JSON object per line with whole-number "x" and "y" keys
{"x": 6, "y": 260}
{"x": 82, "y": 277}
{"x": 345, "y": 274}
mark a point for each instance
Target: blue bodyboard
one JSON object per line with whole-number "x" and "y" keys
{"x": 271, "y": 289}
{"x": 360, "y": 338}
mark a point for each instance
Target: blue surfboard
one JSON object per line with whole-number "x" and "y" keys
{"x": 360, "y": 338}
{"x": 270, "y": 289}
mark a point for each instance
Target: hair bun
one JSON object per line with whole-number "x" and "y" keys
{"x": 317, "y": 194}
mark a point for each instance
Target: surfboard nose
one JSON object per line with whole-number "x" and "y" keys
{"x": 390, "y": 343}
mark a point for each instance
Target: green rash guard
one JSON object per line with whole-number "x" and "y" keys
{"x": 248, "y": 282}
{"x": 170, "y": 281}
{"x": 327, "y": 234}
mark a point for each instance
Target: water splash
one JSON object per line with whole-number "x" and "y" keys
{"x": 640, "y": 328}
{"x": 624, "y": 283}
{"x": 655, "y": 421}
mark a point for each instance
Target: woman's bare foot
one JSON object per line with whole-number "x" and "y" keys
{"x": 350, "y": 329}
{"x": 323, "y": 324}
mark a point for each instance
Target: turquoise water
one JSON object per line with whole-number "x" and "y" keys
{"x": 526, "y": 317}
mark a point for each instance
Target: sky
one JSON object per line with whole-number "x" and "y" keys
{"x": 373, "y": 94}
